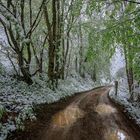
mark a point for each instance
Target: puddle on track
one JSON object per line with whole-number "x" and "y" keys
{"x": 113, "y": 133}
{"x": 116, "y": 135}
{"x": 108, "y": 126}
{"x": 67, "y": 117}
{"x": 104, "y": 109}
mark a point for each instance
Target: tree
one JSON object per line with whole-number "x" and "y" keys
{"x": 20, "y": 35}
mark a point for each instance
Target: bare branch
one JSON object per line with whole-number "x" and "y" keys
{"x": 136, "y": 2}
{"x": 36, "y": 19}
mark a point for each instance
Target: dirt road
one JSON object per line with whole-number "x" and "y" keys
{"x": 90, "y": 116}
{"x": 86, "y": 116}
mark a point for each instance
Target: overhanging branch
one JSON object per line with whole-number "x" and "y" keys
{"x": 136, "y": 2}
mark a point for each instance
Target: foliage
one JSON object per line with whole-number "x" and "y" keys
{"x": 49, "y": 39}
{"x": 1, "y": 69}
{"x": 1, "y": 111}
{"x": 120, "y": 27}
{"x": 21, "y": 99}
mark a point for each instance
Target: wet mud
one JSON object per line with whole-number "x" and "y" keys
{"x": 86, "y": 116}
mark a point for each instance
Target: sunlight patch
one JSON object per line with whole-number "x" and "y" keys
{"x": 104, "y": 109}
{"x": 67, "y": 116}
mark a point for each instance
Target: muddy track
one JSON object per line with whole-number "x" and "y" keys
{"x": 86, "y": 116}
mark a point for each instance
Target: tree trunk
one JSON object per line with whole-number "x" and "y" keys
{"x": 63, "y": 41}
{"x": 94, "y": 77}
{"x": 129, "y": 68}
{"x": 81, "y": 65}
{"x": 24, "y": 70}
{"x": 54, "y": 33}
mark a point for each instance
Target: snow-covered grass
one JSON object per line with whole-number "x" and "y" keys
{"x": 123, "y": 98}
{"x": 17, "y": 99}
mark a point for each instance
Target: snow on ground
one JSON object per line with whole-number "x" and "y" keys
{"x": 132, "y": 108}
{"x": 17, "y": 98}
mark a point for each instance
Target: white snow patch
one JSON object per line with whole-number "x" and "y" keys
{"x": 16, "y": 97}
{"x": 132, "y": 108}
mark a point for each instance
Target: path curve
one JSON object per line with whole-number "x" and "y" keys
{"x": 90, "y": 116}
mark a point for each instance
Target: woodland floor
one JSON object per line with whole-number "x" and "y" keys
{"x": 85, "y": 116}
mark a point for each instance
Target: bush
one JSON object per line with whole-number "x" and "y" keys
{"x": 2, "y": 70}
{"x": 1, "y": 111}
